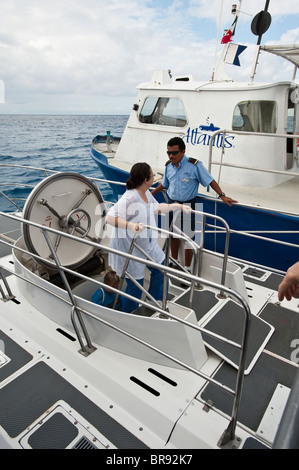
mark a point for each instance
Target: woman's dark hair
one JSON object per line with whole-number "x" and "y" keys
{"x": 139, "y": 172}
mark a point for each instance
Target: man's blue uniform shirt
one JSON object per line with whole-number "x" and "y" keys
{"x": 182, "y": 182}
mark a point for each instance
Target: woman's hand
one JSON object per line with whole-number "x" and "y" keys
{"x": 121, "y": 223}
{"x": 185, "y": 208}
{"x": 136, "y": 228}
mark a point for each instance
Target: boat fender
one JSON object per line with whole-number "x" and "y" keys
{"x": 193, "y": 160}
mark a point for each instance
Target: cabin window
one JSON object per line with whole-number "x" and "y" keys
{"x": 255, "y": 116}
{"x": 163, "y": 111}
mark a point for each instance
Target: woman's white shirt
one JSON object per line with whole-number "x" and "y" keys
{"x": 133, "y": 208}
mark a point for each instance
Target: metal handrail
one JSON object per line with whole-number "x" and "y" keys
{"x": 134, "y": 243}
{"x": 102, "y": 180}
{"x": 230, "y": 431}
{"x": 227, "y": 229}
{"x": 249, "y": 133}
{"x": 247, "y": 233}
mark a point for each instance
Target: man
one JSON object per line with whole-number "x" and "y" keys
{"x": 181, "y": 179}
{"x": 105, "y": 296}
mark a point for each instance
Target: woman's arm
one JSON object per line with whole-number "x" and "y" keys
{"x": 165, "y": 208}
{"x": 119, "y": 222}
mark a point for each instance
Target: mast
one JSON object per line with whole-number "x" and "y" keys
{"x": 260, "y": 24}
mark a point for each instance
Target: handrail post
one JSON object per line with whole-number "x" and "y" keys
{"x": 89, "y": 348}
{"x": 226, "y": 248}
{"x": 229, "y": 434}
{"x": 9, "y": 295}
{"x": 122, "y": 277}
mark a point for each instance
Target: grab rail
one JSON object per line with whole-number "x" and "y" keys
{"x": 229, "y": 433}
{"x": 181, "y": 236}
{"x": 249, "y": 133}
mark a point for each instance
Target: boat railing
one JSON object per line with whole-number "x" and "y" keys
{"x": 78, "y": 312}
{"x": 222, "y": 164}
{"x": 168, "y": 234}
{"x": 18, "y": 202}
{"x": 197, "y": 254}
{"x": 216, "y": 230}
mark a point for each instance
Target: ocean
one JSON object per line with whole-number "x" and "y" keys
{"x": 59, "y": 143}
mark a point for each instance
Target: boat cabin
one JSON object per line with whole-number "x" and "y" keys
{"x": 194, "y": 110}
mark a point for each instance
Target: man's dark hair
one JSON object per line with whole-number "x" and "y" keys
{"x": 177, "y": 141}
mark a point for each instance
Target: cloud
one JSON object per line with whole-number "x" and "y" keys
{"x": 57, "y": 53}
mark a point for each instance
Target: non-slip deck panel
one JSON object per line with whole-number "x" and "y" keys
{"x": 31, "y": 394}
{"x": 258, "y": 388}
{"x": 286, "y": 324}
{"x": 254, "y": 444}
{"x": 57, "y": 433}
{"x": 203, "y": 301}
{"x": 228, "y": 322}
{"x": 272, "y": 282}
{"x": 18, "y": 356}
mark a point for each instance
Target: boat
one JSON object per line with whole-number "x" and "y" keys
{"x": 214, "y": 366}
{"x": 246, "y": 135}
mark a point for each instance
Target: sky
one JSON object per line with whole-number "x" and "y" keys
{"x": 88, "y": 56}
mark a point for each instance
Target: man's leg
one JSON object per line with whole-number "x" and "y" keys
{"x": 132, "y": 289}
{"x": 188, "y": 258}
{"x": 188, "y": 251}
{"x": 156, "y": 283}
{"x": 175, "y": 245}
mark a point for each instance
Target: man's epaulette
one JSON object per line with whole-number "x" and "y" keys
{"x": 192, "y": 160}
{"x": 167, "y": 163}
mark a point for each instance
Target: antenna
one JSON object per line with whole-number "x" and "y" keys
{"x": 217, "y": 40}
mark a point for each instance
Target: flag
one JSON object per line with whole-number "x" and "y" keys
{"x": 227, "y": 37}
{"x": 232, "y": 54}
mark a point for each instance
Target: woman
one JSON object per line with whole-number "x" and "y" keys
{"x": 136, "y": 208}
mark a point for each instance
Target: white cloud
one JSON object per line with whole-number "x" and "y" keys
{"x": 57, "y": 53}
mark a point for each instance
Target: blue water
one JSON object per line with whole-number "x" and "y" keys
{"x": 58, "y": 143}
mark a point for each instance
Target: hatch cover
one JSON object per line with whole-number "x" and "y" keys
{"x": 72, "y": 204}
